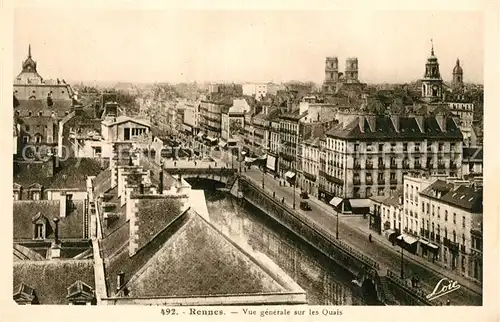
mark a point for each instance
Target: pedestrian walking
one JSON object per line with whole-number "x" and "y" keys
{"x": 274, "y": 194}
{"x": 283, "y": 200}
{"x": 370, "y": 238}
{"x": 175, "y": 163}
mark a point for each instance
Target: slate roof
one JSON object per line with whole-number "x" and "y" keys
{"x": 51, "y": 279}
{"x": 122, "y": 118}
{"x": 102, "y": 182}
{"x": 59, "y": 106}
{"x": 154, "y": 214}
{"x": 437, "y": 186}
{"x": 71, "y": 174}
{"x": 198, "y": 260}
{"x": 408, "y": 129}
{"x": 70, "y": 227}
{"x": 466, "y": 198}
{"x": 475, "y": 153}
{"x": 20, "y": 252}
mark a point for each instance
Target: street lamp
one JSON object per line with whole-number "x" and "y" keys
{"x": 402, "y": 266}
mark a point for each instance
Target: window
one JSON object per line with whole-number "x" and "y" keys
{"x": 356, "y": 147}
{"x": 432, "y": 210}
{"x": 454, "y": 236}
{"x": 405, "y": 146}
{"x": 16, "y": 195}
{"x": 40, "y": 113}
{"x": 463, "y": 239}
{"x": 26, "y": 139}
{"x": 438, "y": 209}
{"x": 463, "y": 221}
{"x": 27, "y": 128}
{"x": 29, "y": 113}
{"x": 463, "y": 264}
{"x": 445, "y": 233}
{"x": 39, "y": 231}
{"x": 35, "y": 195}
{"x": 446, "y": 215}
{"x": 454, "y": 218}
{"x": 381, "y": 148}
{"x": 428, "y": 208}
{"x": 423, "y": 207}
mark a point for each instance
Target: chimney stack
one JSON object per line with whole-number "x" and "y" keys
{"x": 56, "y": 230}
{"x": 120, "y": 281}
{"x": 63, "y": 207}
{"x": 160, "y": 188}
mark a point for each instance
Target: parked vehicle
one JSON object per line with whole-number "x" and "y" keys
{"x": 304, "y": 195}
{"x": 304, "y": 205}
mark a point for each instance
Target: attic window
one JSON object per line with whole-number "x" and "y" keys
{"x": 462, "y": 197}
{"x": 29, "y": 113}
{"x": 40, "y": 113}
{"x": 25, "y": 295}
{"x": 471, "y": 199}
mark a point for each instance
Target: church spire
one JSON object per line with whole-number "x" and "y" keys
{"x": 29, "y": 51}
{"x": 432, "y": 47}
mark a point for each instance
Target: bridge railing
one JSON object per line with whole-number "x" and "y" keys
{"x": 419, "y": 293}
{"x": 221, "y": 171}
{"x": 323, "y": 232}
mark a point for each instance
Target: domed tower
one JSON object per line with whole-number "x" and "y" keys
{"x": 331, "y": 74}
{"x": 432, "y": 84}
{"x": 458, "y": 76}
{"x": 29, "y": 74}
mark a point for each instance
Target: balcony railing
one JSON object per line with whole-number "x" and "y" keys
{"x": 406, "y": 166}
{"x": 381, "y": 166}
{"x": 356, "y": 181}
{"x": 369, "y": 166}
{"x": 417, "y": 166}
{"x": 368, "y": 181}
{"x": 438, "y": 239}
{"x": 441, "y": 166}
{"x": 357, "y": 166}
{"x": 462, "y": 249}
{"x": 381, "y": 181}
{"x": 393, "y": 181}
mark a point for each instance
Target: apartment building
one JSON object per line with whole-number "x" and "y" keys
{"x": 451, "y": 227}
{"x": 211, "y": 118}
{"x": 368, "y": 155}
{"x": 274, "y": 146}
{"x": 386, "y": 215}
{"x": 309, "y": 179}
{"x": 291, "y": 133}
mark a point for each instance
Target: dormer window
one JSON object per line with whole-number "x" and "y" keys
{"x": 35, "y": 195}
{"x": 25, "y": 295}
{"x": 39, "y": 226}
{"x": 80, "y": 293}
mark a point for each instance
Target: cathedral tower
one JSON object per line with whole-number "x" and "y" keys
{"x": 351, "y": 69}
{"x": 331, "y": 74}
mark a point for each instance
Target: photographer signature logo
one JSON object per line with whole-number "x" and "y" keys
{"x": 443, "y": 287}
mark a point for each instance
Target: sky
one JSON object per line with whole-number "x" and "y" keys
{"x": 256, "y": 46}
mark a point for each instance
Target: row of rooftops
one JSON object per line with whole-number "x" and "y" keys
{"x": 464, "y": 195}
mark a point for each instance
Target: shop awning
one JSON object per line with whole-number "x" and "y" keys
{"x": 389, "y": 232}
{"x": 431, "y": 245}
{"x": 243, "y": 152}
{"x": 250, "y": 160}
{"x": 200, "y": 134}
{"x": 424, "y": 242}
{"x": 211, "y": 139}
{"x": 222, "y": 144}
{"x": 360, "y": 203}
{"x": 335, "y": 201}
{"x": 290, "y": 174}
{"x": 407, "y": 239}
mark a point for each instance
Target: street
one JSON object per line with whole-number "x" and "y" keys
{"x": 386, "y": 255}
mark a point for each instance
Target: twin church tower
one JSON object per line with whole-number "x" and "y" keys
{"x": 432, "y": 83}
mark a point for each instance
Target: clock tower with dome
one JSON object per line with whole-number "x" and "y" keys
{"x": 29, "y": 74}
{"x": 432, "y": 83}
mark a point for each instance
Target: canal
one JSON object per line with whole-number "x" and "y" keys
{"x": 325, "y": 282}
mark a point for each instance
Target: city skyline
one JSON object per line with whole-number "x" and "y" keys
{"x": 392, "y": 47}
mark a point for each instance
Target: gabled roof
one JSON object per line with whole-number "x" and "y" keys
{"x": 153, "y": 214}
{"x": 122, "y": 119}
{"x": 200, "y": 261}
{"x": 25, "y": 211}
{"x": 51, "y": 279}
